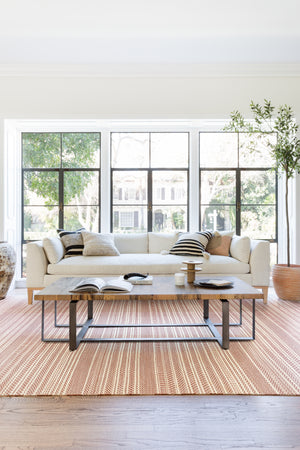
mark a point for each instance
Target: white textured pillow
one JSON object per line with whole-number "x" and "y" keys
{"x": 97, "y": 244}
{"x": 54, "y": 249}
{"x": 240, "y": 248}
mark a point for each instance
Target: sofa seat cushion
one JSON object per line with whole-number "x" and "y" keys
{"x": 224, "y": 264}
{"x": 154, "y": 264}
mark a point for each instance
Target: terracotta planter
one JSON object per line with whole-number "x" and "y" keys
{"x": 7, "y": 267}
{"x": 286, "y": 281}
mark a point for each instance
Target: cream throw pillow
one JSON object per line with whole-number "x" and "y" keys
{"x": 98, "y": 244}
{"x": 54, "y": 249}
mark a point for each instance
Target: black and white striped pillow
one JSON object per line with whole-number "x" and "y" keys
{"x": 191, "y": 244}
{"x": 72, "y": 241}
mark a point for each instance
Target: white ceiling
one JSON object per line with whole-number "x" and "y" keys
{"x": 149, "y": 32}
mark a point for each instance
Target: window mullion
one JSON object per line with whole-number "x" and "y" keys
{"x": 105, "y": 179}
{"x": 61, "y": 198}
{"x": 150, "y": 200}
{"x": 193, "y": 179}
{"x": 238, "y": 202}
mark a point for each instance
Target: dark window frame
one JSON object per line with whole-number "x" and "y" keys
{"x": 149, "y": 170}
{"x": 60, "y": 171}
{"x": 238, "y": 205}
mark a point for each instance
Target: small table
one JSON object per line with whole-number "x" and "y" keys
{"x": 191, "y": 269}
{"x": 163, "y": 288}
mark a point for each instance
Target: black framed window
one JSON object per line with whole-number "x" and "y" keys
{"x": 149, "y": 181}
{"x": 238, "y": 187}
{"x": 61, "y": 184}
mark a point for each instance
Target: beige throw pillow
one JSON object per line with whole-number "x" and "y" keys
{"x": 98, "y": 244}
{"x": 223, "y": 248}
{"x": 216, "y": 240}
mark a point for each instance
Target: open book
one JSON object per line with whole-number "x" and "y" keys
{"x": 100, "y": 285}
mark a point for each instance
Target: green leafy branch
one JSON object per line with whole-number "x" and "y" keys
{"x": 285, "y": 150}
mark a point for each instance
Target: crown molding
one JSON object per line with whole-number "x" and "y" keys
{"x": 151, "y": 70}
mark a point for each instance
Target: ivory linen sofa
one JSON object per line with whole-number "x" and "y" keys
{"x": 51, "y": 259}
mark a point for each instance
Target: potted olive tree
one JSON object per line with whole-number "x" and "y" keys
{"x": 285, "y": 151}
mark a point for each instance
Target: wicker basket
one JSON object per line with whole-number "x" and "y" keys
{"x": 286, "y": 281}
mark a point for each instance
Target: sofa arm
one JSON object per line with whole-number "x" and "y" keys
{"x": 260, "y": 262}
{"x": 37, "y": 264}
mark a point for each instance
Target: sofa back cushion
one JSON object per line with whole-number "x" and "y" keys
{"x": 240, "y": 248}
{"x": 131, "y": 243}
{"x": 54, "y": 249}
{"x": 159, "y": 242}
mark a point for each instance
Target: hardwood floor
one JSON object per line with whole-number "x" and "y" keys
{"x": 160, "y": 422}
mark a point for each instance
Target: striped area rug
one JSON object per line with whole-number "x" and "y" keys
{"x": 270, "y": 365}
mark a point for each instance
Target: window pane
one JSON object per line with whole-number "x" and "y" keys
{"x": 80, "y": 150}
{"x": 40, "y": 188}
{"x": 40, "y": 222}
{"x": 169, "y": 187}
{"x": 169, "y": 149}
{"x": 169, "y": 218}
{"x": 130, "y": 187}
{"x": 218, "y": 186}
{"x": 130, "y": 150}
{"x": 81, "y": 216}
{"x": 129, "y": 219}
{"x": 41, "y": 150}
{"x": 221, "y": 218}
{"x": 254, "y": 150}
{"x": 218, "y": 149}
{"x": 258, "y": 187}
{"x": 81, "y": 188}
{"x": 258, "y": 222}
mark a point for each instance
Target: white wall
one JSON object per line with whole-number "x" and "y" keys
{"x": 131, "y": 97}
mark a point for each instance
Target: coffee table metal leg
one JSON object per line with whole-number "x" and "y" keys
{"x": 205, "y": 309}
{"x": 90, "y": 309}
{"x": 72, "y": 325}
{"x": 225, "y": 324}
{"x": 43, "y": 321}
{"x": 74, "y": 338}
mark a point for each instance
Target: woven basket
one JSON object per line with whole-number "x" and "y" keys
{"x": 286, "y": 281}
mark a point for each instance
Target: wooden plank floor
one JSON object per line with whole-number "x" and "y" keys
{"x": 160, "y": 422}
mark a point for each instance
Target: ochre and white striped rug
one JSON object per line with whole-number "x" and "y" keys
{"x": 270, "y": 365}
